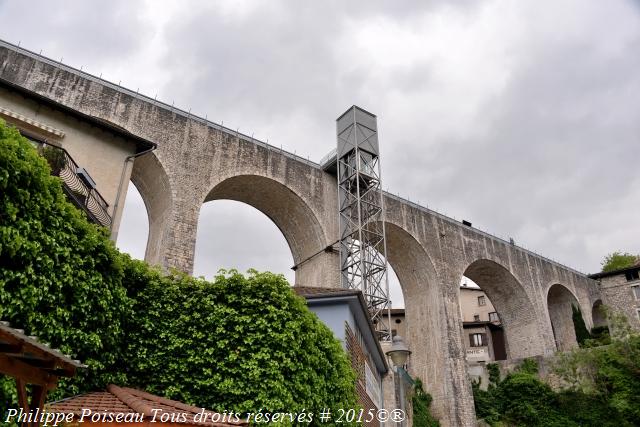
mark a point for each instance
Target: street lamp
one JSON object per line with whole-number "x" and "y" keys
{"x": 398, "y": 353}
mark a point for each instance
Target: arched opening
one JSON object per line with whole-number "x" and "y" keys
{"x": 598, "y": 315}
{"x": 313, "y": 262}
{"x": 561, "y": 304}
{"x": 422, "y": 327}
{"x": 522, "y": 333}
{"x": 235, "y": 235}
{"x": 152, "y": 184}
{"x": 134, "y": 225}
{"x": 395, "y": 290}
{"x": 483, "y": 333}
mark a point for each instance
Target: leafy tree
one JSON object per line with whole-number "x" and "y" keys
{"x": 617, "y": 260}
{"x": 238, "y": 343}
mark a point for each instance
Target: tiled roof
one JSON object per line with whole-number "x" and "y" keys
{"x": 124, "y": 400}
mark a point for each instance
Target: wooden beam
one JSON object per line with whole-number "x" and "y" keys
{"x": 25, "y": 372}
{"x": 23, "y": 401}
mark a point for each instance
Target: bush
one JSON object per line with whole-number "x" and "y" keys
{"x": 602, "y": 388}
{"x": 238, "y": 343}
{"x": 248, "y": 343}
{"x": 421, "y": 401}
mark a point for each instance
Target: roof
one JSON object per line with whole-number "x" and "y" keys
{"x": 124, "y": 400}
{"x": 25, "y": 357}
{"x": 635, "y": 266}
{"x": 358, "y": 305}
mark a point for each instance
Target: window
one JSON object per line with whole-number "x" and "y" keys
{"x": 398, "y": 321}
{"x": 638, "y": 313}
{"x": 476, "y": 317}
{"x": 478, "y": 340}
{"x": 482, "y": 300}
{"x": 636, "y": 292}
{"x": 493, "y": 317}
{"x": 632, "y": 275}
{"x": 394, "y": 332}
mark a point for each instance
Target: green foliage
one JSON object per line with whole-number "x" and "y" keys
{"x": 238, "y": 343}
{"x": 60, "y": 276}
{"x": 528, "y": 366}
{"x": 494, "y": 373}
{"x": 421, "y": 401}
{"x": 582, "y": 333}
{"x": 608, "y": 375}
{"x": 601, "y": 388}
{"x": 519, "y": 399}
{"x": 617, "y": 260}
{"x": 55, "y": 158}
{"x": 249, "y": 343}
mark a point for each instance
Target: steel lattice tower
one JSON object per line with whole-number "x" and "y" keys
{"x": 363, "y": 252}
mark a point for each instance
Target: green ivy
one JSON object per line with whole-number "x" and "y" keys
{"x": 249, "y": 343}
{"x": 60, "y": 276}
{"x": 421, "y": 400}
{"x": 239, "y": 343}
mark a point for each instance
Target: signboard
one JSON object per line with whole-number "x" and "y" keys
{"x": 478, "y": 354}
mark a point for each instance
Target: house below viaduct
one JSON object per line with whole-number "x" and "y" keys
{"x": 197, "y": 161}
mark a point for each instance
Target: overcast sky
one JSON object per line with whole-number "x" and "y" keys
{"x": 522, "y": 117}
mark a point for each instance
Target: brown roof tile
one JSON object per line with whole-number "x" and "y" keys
{"x": 124, "y": 400}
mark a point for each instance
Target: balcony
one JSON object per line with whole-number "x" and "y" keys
{"x": 77, "y": 183}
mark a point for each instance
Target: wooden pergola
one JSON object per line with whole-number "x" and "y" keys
{"x": 33, "y": 364}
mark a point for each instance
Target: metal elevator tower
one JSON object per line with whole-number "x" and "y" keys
{"x": 363, "y": 251}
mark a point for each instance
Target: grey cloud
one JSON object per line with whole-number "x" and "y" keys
{"x": 83, "y": 32}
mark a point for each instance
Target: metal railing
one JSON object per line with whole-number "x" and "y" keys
{"x": 76, "y": 184}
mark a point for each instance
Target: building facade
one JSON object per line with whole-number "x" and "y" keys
{"x": 94, "y": 157}
{"x": 621, "y": 289}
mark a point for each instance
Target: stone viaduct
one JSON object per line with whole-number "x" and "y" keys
{"x": 198, "y": 161}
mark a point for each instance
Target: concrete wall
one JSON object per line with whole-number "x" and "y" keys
{"x": 199, "y": 161}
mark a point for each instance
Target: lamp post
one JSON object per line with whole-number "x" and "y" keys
{"x": 398, "y": 354}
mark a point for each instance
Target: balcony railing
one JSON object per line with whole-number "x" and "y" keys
{"x": 77, "y": 184}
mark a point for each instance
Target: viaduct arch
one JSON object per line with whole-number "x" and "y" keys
{"x": 197, "y": 161}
